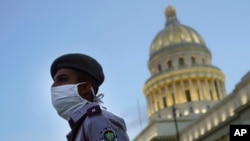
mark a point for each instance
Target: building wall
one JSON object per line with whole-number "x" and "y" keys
{"x": 214, "y": 125}
{"x": 211, "y": 126}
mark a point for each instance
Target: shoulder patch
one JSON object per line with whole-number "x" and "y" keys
{"x": 108, "y": 134}
{"x": 94, "y": 110}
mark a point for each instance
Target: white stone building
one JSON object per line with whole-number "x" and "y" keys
{"x": 186, "y": 97}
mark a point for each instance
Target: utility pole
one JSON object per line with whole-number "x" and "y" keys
{"x": 176, "y": 125}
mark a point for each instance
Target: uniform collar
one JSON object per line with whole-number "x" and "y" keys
{"x": 87, "y": 110}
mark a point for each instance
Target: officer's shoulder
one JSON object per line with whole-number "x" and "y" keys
{"x": 93, "y": 109}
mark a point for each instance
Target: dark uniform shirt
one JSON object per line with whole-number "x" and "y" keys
{"x": 91, "y": 123}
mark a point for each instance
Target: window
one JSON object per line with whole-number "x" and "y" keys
{"x": 181, "y": 61}
{"x": 208, "y": 106}
{"x": 180, "y": 114}
{"x": 169, "y": 63}
{"x": 193, "y": 60}
{"x": 188, "y": 96}
{"x": 159, "y": 67}
{"x": 191, "y": 110}
{"x": 164, "y": 102}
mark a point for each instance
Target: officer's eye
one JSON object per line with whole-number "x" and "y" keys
{"x": 63, "y": 79}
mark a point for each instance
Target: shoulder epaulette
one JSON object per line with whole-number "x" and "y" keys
{"x": 94, "y": 110}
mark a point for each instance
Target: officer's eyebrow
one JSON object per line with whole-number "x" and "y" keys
{"x": 60, "y": 76}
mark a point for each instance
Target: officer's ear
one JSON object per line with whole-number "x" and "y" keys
{"x": 85, "y": 90}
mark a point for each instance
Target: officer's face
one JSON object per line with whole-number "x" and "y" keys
{"x": 64, "y": 76}
{"x": 68, "y": 76}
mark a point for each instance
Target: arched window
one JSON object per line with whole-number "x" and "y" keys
{"x": 181, "y": 61}
{"x": 169, "y": 63}
{"x": 159, "y": 67}
{"x": 193, "y": 60}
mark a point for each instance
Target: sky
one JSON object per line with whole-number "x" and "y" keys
{"x": 118, "y": 33}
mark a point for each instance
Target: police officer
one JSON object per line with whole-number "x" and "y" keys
{"x": 77, "y": 78}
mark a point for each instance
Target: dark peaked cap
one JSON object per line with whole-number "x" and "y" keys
{"x": 80, "y": 62}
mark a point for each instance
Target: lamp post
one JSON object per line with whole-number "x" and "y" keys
{"x": 176, "y": 125}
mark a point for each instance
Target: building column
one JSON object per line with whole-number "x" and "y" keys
{"x": 214, "y": 91}
{"x": 149, "y": 105}
{"x": 219, "y": 89}
{"x": 208, "y": 96}
{"x": 183, "y": 91}
{"x": 223, "y": 89}
{"x": 152, "y": 103}
{"x": 160, "y": 98}
{"x": 167, "y": 95}
{"x": 155, "y": 102}
{"x": 200, "y": 89}
{"x": 191, "y": 88}
{"x": 248, "y": 91}
{"x": 174, "y": 92}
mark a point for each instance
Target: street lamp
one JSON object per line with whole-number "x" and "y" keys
{"x": 175, "y": 121}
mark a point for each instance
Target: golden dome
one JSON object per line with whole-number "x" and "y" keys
{"x": 175, "y": 34}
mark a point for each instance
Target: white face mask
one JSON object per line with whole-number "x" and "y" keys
{"x": 66, "y": 99}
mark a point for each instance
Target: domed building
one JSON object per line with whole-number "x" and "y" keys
{"x": 181, "y": 71}
{"x": 184, "y": 86}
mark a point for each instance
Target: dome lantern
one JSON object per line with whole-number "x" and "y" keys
{"x": 170, "y": 14}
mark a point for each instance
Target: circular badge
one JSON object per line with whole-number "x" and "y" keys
{"x": 108, "y": 134}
